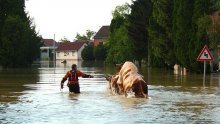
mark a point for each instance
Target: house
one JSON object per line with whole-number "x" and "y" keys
{"x": 102, "y": 35}
{"x": 47, "y": 49}
{"x": 70, "y": 50}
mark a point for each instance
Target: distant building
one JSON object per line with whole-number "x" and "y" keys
{"x": 70, "y": 50}
{"x": 47, "y": 49}
{"x": 102, "y": 35}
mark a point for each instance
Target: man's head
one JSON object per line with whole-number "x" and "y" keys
{"x": 74, "y": 67}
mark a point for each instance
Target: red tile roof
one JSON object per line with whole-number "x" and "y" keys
{"x": 49, "y": 42}
{"x": 103, "y": 32}
{"x": 69, "y": 46}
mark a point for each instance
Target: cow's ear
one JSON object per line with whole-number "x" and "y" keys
{"x": 144, "y": 87}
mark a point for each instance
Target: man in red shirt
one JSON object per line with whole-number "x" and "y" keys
{"x": 73, "y": 81}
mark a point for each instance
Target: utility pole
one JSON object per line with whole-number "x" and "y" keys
{"x": 54, "y": 54}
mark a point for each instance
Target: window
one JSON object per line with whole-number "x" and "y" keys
{"x": 44, "y": 51}
{"x": 66, "y": 53}
{"x": 73, "y": 53}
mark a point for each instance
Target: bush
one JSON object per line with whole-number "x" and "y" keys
{"x": 87, "y": 53}
{"x": 100, "y": 52}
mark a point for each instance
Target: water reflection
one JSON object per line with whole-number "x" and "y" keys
{"x": 167, "y": 78}
{"x": 174, "y": 99}
{"x": 12, "y": 82}
{"x": 215, "y": 79}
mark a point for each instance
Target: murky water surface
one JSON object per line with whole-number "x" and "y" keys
{"x": 34, "y": 96}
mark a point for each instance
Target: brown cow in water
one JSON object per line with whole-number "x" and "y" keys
{"x": 128, "y": 80}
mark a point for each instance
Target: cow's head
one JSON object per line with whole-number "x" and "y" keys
{"x": 140, "y": 88}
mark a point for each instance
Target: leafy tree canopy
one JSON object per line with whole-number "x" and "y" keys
{"x": 19, "y": 43}
{"x": 89, "y": 34}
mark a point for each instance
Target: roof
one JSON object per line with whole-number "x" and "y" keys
{"x": 49, "y": 42}
{"x": 103, "y": 32}
{"x": 85, "y": 41}
{"x": 70, "y": 46}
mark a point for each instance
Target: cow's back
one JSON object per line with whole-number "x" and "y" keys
{"x": 126, "y": 70}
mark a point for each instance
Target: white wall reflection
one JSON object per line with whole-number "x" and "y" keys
{"x": 68, "y": 63}
{"x": 59, "y": 63}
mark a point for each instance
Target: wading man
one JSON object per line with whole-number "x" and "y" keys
{"x": 73, "y": 81}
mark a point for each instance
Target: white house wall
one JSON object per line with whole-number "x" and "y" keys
{"x": 66, "y": 55}
{"x": 70, "y": 55}
{"x": 79, "y": 53}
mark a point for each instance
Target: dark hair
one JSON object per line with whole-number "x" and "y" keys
{"x": 73, "y": 65}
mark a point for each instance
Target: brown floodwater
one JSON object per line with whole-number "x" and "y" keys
{"x": 34, "y": 96}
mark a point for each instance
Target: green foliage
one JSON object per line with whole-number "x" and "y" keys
{"x": 91, "y": 53}
{"x": 90, "y": 34}
{"x": 138, "y": 21}
{"x": 200, "y": 26}
{"x": 87, "y": 36}
{"x": 170, "y": 31}
{"x": 121, "y": 11}
{"x": 190, "y": 28}
{"x": 116, "y": 23}
{"x": 64, "y": 40}
{"x": 81, "y": 37}
{"x": 182, "y": 30}
{"x": 214, "y": 35}
{"x": 217, "y": 4}
{"x": 87, "y": 53}
{"x": 120, "y": 48}
{"x": 100, "y": 52}
{"x": 19, "y": 43}
{"x": 160, "y": 33}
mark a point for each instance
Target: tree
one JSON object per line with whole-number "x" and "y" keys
{"x": 100, "y": 52}
{"x": 190, "y": 28}
{"x": 213, "y": 34}
{"x": 81, "y": 37}
{"x": 182, "y": 30}
{"x": 87, "y": 53}
{"x": 138, "y": 21}
{"x": 86, "y": 36}
{"x": 64, "y": 39}
{"x": 200, "y": 27}
{"x": 89, "y": 34}
{"x": 217, "y": 4}
{"x": 19, "y": 43}
{"x": 160, "y": 27}
{"x": 119, "y": 46}
{"x": 10, "y": 7}
{"x": 121, "y": 11}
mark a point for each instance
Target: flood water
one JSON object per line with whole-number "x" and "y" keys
{"x": 33, "y": 96}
